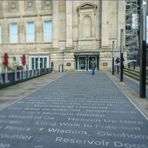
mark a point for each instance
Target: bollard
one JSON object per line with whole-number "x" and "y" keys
{"x": 117, "y": 69}
{"x": 134, "y": 65}
{"x": 128, "y": 65}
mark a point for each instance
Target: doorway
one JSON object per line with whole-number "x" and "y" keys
{"x": 90, "y": 59}
{"x": 38, "y": 62}
{"x": 83, "y": 63}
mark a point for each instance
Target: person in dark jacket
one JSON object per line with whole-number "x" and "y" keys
{"x": 93, "y": 65}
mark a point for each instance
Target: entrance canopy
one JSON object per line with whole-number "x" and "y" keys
{"x": 87, "y": 53}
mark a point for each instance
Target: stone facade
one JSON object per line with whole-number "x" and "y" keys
{"x": 81, "y": 30}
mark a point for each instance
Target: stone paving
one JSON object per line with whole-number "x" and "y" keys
{"x": 131, "y": 88}
{"x": 11, "y": 94}
{"x": 77, "y": 110}
{"x": 133, "y": 84}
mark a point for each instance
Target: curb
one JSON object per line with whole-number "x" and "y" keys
{"x": 131, "y": 96}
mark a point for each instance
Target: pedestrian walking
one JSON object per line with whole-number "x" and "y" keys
{"x": 52, "y": 66}
{"x": 93, "y": 65}
{"x": 117, "y": 61}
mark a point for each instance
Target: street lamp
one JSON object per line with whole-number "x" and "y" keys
{"x": 113, "y": 56}
{"x": 121, "y": 54}
{"x": 143, "y": 48}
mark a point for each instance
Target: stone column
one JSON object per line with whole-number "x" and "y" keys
{"x": 55, "y": 20}
{"x": 105, "y": 24}
{"x": 5, "y": 32}
{"x": 22, "y": 33}
{"x": 68, "y": 24}
{"x": 39, "y": 29}
{"x": 93, "y": 25}
{"x": 1, "y": 8}
{"x": 21, "y": 6}
{"x": 121, "y": 18}
{"x": 21, "y": 22}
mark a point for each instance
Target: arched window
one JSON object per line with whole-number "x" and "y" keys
{"x": 87, "y": 26}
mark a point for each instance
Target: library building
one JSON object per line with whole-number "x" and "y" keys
{"x": 60, "y": 33}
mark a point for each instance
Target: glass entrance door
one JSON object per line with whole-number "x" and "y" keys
{"x": 38, "y": 62}
{"x": 90, "y": 59}
{"x": 82, "y": 63}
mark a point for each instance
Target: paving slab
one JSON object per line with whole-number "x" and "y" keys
{"x": 77, "y": 110}
{"x": 131, "y": 88}
{"x": 13, "y": 93}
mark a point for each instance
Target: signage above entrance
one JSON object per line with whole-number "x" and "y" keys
{"x": 87, "y": 53}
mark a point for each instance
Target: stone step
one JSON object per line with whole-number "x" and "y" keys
{"x": 134, "y": 74}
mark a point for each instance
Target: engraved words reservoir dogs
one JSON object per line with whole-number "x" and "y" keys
{"x": 62, "y": 130}
{"x": 43, "y": 121}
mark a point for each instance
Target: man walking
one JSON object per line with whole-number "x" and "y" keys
{"x": 93, "y": 65}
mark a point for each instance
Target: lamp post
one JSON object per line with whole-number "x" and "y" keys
{"x": 143, "y": 48}
{"x": 113, "y": 56}
{"x": 121, "y": 54}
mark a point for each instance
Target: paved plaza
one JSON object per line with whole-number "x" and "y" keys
{"x": 77, "y": 110}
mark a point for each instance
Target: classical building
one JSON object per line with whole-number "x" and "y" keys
{"x": 62, "y": 32}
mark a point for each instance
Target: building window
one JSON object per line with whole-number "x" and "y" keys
{"x": 47, "y": 28}
{"x": 38, "y": 62}
{"x": 13, "y": 30}
{"x": 30, "y": 32}
{"x": 0, "y": 34}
